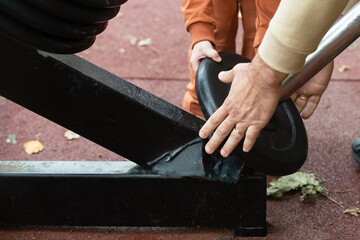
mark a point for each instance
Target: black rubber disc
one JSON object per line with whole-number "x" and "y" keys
{"x": 100, "y": 3}
{"x": 34, "y": 38}
{"x": 282, "y": 145}
{"x": 47, "y": 23}
{"x": 75, "y": 12}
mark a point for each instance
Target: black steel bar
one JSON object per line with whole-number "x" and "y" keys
{"x": 68, "y": 167}
{"x": 94, "y": 103}
{"x": 32, "y": 194}
{"x": 135, "y": 124}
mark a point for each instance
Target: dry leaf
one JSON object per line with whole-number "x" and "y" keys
{"x": 119, "y": 15}
{"x": 343, "y": 68}
{"x": 133, "y": 41}
{"x": 11, "y": 139}
{"x": 71, "y": 135}
{"x": 32, "y": 147}
{"x": 307, "y": 183}
{"x": 145, "y": 42}
{"x": 355, "y": 211}
{"x": 353, "y": 46}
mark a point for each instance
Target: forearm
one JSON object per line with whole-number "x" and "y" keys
{"x": 199, "y": 19}
{"x": 296, "y": 30}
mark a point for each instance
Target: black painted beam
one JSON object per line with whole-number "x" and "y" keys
{"x": 94, "y": 103}
{"x": 92, "y": 194}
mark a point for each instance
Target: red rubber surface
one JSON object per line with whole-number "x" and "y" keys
{"x": 162, "y": 70}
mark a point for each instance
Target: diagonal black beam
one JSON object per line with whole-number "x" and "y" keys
{"x": 93, "y": 102}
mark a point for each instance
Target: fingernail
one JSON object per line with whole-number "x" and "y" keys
{"x": 202, "y": 134}
{"x": 245, "y": 149}
{"x": 223, "y": 153}
{"x": 208, "y": 149}
{"x": 218, "y": 59}
{"x": 221, "y": 74}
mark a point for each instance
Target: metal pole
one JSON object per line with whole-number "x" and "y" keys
{"x": 340, "y": 36}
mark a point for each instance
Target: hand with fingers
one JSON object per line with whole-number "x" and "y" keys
{"x": 308, "y": 96}
{"x": 201, "y": 50}
{"x": 249, "y": 106}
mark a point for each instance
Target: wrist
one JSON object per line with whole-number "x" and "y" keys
{"x": 269, "y": 75}
{"x": 203, "y": 44}
{"x": 201, "y": 31}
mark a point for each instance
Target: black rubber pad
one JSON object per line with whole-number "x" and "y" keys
{"x": 282, "y": 145}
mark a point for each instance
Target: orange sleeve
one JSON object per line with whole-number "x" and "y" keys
{"x": 199, "y": 20}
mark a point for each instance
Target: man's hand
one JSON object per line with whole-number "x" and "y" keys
{"x": 308, "y": 96}
{"x": 203, "y": 50}
{"x": 252, "y": 100}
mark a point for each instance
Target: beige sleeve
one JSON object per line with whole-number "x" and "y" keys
{"x": 296, "y": 30}
{"x": 350, "y": 4}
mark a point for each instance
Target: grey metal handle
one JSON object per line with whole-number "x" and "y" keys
{"x": 340, "y": 35}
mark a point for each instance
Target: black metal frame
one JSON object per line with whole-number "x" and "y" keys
{"x": 110, "y": 111}
{"x": 128, "y": 199}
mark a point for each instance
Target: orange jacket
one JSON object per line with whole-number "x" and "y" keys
{"x": 199, "y": 19}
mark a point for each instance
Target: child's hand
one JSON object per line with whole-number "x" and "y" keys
{"x": 308, "y": 96}
{"x": 202, "y": 50}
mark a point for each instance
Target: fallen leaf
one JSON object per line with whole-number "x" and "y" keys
{"x": 32, "y": 147}
{"x": 71, "y": 135}
{"x": 119, "y": 15}
{"x": 2, "y": 101}
{"x": 306, "y": 182}
{"x": 355, "y": 211}
{"x": 133, "y": 41}
{"x": 343, "y": 68}
{"x": 353, "y": 46}
{"x": 11, "y": 139}
{"x": 131, "y": 38}
{"x": 145, "y": 42}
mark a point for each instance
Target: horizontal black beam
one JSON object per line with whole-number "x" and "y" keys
{"x": 32, "y": 194}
